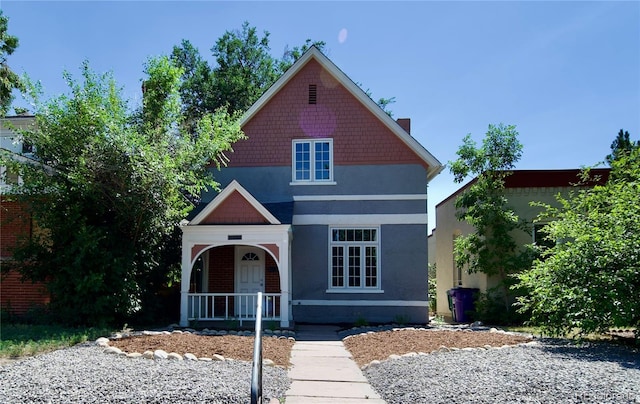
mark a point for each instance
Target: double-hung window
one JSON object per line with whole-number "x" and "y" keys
{"x": 354, "y": 259}
{"x": 312, "y": 161}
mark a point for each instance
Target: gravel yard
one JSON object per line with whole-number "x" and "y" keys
{"x": 551, "y": 371}
{"x": 84, "y": 374}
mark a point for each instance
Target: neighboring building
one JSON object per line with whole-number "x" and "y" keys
{"x": 322, "y": 208}
{"x": 16, "y": 296}
{"x": 521, "y": 188}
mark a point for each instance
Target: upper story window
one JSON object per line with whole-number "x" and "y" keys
{"x": 27, "y": 147}
{"x": 312, "y": 161}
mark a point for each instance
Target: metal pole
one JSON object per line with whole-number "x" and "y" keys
{"x": 256, "y": 371}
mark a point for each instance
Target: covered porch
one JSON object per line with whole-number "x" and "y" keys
{"x": 233, "y": 249}
{"x": 224, "y": 281}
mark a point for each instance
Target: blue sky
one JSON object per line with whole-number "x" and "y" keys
{"x": 567, "y": 74}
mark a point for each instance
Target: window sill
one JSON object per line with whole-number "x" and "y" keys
{"x": 364, "y": 291}
{"x": 313, "y": 183}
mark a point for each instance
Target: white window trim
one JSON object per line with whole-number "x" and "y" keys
{"x": 352, "y": 289}
{"x": 311, "y": 180}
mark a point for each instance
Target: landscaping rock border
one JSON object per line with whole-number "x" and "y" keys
{"x": 160, "y": 354}
{"x": 474, "y": 327}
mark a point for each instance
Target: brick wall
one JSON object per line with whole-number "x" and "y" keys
{"x": 271, "y": 281}
{"x": 221, "y": 277}
{"x": 15, "y": 222}
{"x": 359, "y": 137}
{"x": 16, "y": 296}
{"x": 221, "y": 269}
{"x": 271, "y": 275}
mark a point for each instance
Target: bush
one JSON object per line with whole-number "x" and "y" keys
{"x": 490, "y": 308}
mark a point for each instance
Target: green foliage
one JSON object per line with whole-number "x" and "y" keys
{"x": 490, "y": 308}
{"x": 621, "y": 145}
{"x": 361, "y": 322}
{"x": 590, "y": 279}
{"x": 292, "y": 55}
{"x": 196, "y": 83}
{"x": 245, "y": 68}
{"x": 27, "y": 339}
{"x": 433, "y": 288}
{"x": 8, "y": 79}
{"x": 401, "y": 319}
{"x": 383, "y": 103}
{"x": 113, "y": 186}
{"x": 438, "y": 320}
{"x": 491, "y": 248}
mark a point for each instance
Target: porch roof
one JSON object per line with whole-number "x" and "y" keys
{"x": 283, "y": 211}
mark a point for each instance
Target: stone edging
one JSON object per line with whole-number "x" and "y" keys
{"x": 369, "y": 330}
{"x": 159, "y": 354}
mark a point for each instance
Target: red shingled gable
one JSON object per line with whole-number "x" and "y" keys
{"x": 359, "y": 137}
{"x": 235, "y": 209}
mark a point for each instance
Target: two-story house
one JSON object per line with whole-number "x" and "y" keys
{"x": 323, "y": 208}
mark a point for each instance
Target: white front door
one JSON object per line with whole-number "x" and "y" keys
{"x": 249, "y": 279}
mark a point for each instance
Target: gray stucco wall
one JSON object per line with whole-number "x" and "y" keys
{"x": 272, "y": 184}
{"x": 403, "y": 277}
{"x": 403, "y": 247}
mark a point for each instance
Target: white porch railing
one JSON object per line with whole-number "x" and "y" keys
{"x": 232, "y": 306}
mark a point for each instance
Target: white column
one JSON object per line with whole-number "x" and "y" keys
{"x": 186, "y": 278}
{"x": 285, "y": 273}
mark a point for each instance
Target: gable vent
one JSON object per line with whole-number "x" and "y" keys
{"x": 313, "y": 94}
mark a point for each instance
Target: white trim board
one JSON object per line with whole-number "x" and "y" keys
{"x": 352, "y": 220}
{"x": 398, "y": 197}
{"x": 390, "y": 303}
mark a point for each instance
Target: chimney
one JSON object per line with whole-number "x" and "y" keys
{"x": 405, "y": 123}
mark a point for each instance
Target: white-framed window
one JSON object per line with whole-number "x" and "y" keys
{"x": 540, "y": 236}
{"x": 354, "y": 263}
{"x": 312, "y": 161}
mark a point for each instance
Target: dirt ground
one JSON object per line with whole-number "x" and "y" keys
{"x": 379, "y": 345}
{"x": 364, "y": 348}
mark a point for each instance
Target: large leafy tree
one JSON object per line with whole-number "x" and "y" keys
{"x": 622, "y": 144}
{"x": 490, "y": 248}
{"x": 245, "y": 68}
{"x": 196, "y": 87}
{"x": 111, "y": 188}
{"x": 242, "y": 71}
{"x": 589, "y": 280}
{"x": 8, "y": 79}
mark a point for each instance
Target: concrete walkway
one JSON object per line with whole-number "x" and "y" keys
{"x": 322, "y": 370}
